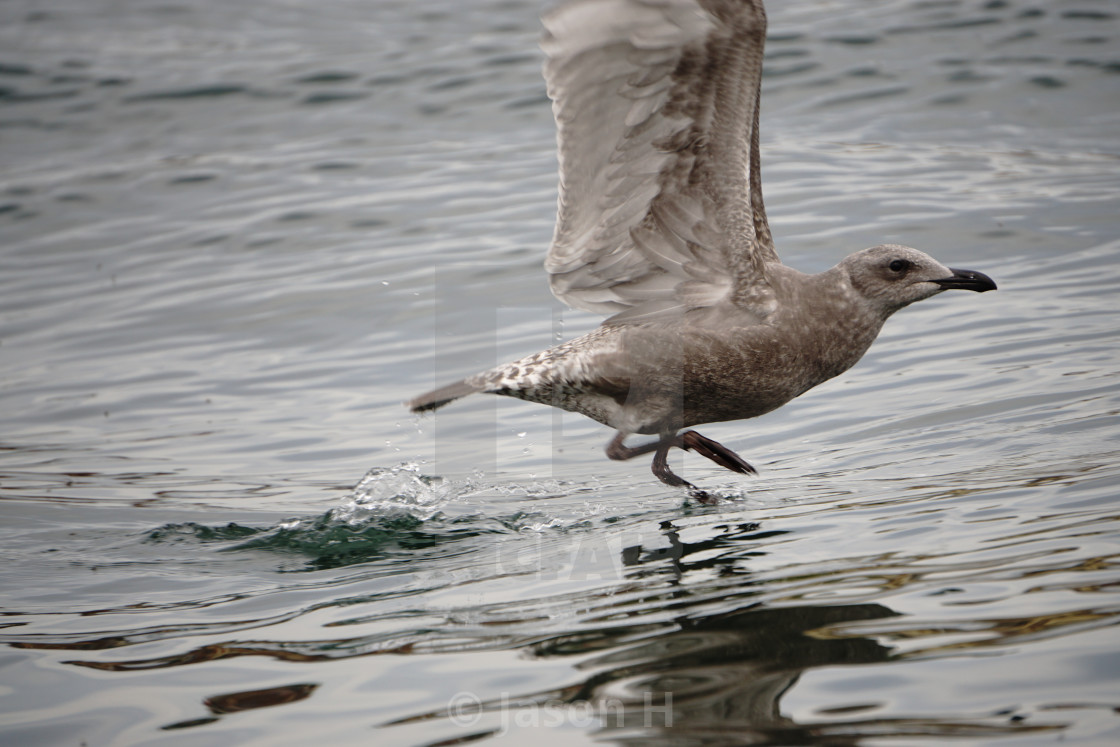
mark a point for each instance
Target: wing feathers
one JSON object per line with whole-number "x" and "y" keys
{"x": 662, "y": 248}
{"x": 660, "y": 207}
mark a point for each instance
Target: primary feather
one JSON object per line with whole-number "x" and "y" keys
{"x": 660, "y": 204}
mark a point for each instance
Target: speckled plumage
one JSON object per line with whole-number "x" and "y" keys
{"x": 661, "y": 223}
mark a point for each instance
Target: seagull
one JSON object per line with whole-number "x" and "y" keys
{"x": 661, "y": 225}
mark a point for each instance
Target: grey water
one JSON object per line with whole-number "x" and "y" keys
{"x": 234, "y": 237}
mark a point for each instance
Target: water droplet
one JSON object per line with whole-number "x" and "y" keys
{"x": 522, "y": 434}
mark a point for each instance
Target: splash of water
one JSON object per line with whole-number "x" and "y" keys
{"x": 396, "y": 491}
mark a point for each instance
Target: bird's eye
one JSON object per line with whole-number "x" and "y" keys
{"x": 899, "y": 265}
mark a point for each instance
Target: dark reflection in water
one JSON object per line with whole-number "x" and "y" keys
{"x": 730, "y": 668}
{"x": 247, "y": 700}
{"x": 677, "y": 552}
{"x": 201, "y": 654}
{"x": 714, "y": 679}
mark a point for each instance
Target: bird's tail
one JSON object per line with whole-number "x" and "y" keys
{"x": 439, "y": 397}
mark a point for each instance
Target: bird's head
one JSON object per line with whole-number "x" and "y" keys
{"x": 891, "y": 276}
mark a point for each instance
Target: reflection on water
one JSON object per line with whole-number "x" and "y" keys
{"x": 722, "y": 673}
{"x": 701, "y": 629}
{"x": 236, "y": 238}
{"x": 718, "y": 677}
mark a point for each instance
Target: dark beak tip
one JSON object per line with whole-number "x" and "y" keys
{"x": 968, "y": 280}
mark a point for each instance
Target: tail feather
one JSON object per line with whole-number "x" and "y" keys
{"x": 439, "y": 397}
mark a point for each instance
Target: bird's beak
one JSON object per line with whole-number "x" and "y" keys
{"x": 967, "y": 280}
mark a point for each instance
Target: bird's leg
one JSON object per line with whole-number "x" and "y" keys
{"x": 661, "y": 464}
{"x": 715, "y": 451}
{"x": 664, "y": 474}
{"x": 619, "y": 452}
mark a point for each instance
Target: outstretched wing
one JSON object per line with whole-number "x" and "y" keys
{"x": 656, "y": 104}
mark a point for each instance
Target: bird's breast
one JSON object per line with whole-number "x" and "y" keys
{"x": 686, "y": 376}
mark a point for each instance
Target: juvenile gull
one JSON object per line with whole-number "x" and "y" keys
{"x": 661, "y": 224}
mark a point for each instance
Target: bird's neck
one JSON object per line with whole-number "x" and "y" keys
{"x": 829, "y": 317}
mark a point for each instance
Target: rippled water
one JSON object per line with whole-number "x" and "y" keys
{"x": 234, "y": 237}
